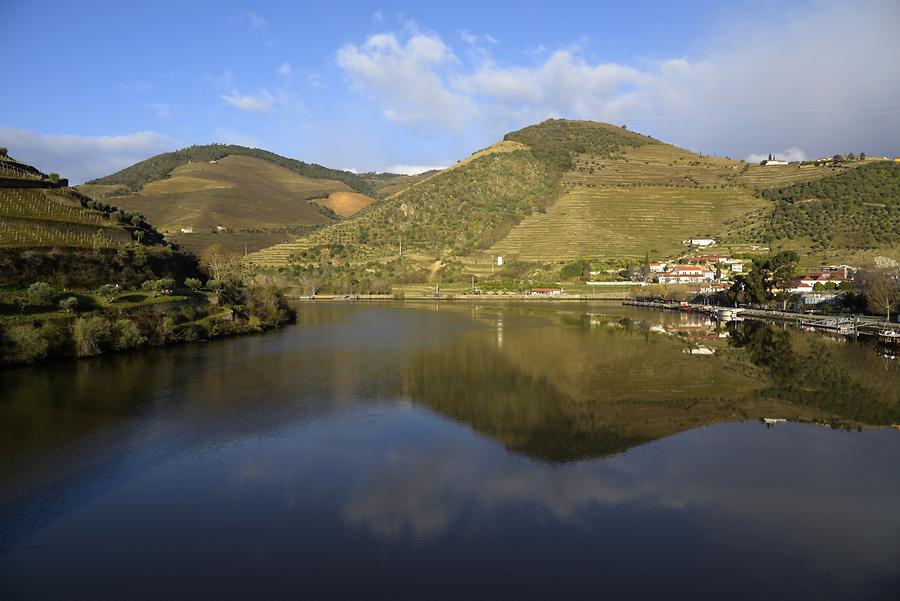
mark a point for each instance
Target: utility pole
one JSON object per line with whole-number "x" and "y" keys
{"x": 473, "y": 284}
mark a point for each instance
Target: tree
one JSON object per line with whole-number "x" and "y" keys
{"x": 311, "y": 283}
{"x": 109, "y": 292}
{"x": 68, "y": 304}
{"x": 862, "y": 156}
{"x": 215, "y": 285}
{"x": 645, "y": 266}
{"x": 881, "y": 287}
{"x": 39, "y": 293}
{"x": 781, "y": 268}
{"x": 3, "y": 151}
{"x": 192, "y": 283}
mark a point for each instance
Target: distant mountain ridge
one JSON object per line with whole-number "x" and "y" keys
{"x": 158, "y": 167}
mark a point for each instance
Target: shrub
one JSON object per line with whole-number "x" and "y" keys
{"x": 192, "y": 283}
{"x": 92, "y": 336}
{"x": 68, "y": 304}
{"x": 40, "y": 293}
{"x": 109, "y": 292}
{"x": 128, "y": 335}
{"x": 27, "y": 344}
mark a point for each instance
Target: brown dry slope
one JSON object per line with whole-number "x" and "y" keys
{"x": 235, "y": 192}
{"x": 346, "y": 204}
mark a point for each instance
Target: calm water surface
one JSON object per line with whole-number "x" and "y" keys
{"x": 460, "y": 451}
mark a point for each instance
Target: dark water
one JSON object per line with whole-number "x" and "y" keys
{"x": 461, "y": 452}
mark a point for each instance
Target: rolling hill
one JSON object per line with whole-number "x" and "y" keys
{"x": 243, "y": 199}
{"x": 558, "y": 191}
{"x": 51, "y": 232}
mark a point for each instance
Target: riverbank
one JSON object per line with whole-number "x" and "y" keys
{"x": 45, "y": 335}
{"x": 603, "y": 296}
{"x": 854, "y": 325}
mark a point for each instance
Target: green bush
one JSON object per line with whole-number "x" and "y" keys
{"x": 92, "y": 336}
{"x": 69, "y": 304}
{"x": 127, "y": 335}
{"x": 27, "y": 344}
{"x": 40, "y": 293}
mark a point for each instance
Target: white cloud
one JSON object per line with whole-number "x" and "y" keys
{"x": 765, "y": 84}
{"x": 81, "y": 158}
{"x": 256, "y": 22}
{"x": 285, "y": 69}
{"x": 413, "y": 169}
{"x": 378, "y": 17}
{"x": 407, "y": 80}
{"x": 163, "y": 110}
{"x": 789, "y": 154}
{"x": 468, "y": 38}
{"x": 262, "y": 101}
{"x": 259, "y": 103}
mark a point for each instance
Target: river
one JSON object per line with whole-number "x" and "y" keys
{"x": 420, "y": 451}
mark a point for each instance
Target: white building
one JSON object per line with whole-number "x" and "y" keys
{"x": 771, "y": 162}
{"x": 699, "y": 242}
{"x": 187, "y": 230}
{"x": 687, "y": 274}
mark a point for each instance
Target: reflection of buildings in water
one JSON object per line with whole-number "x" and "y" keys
{"x": 498, "y": 326}
{"x": 699, "y": 350}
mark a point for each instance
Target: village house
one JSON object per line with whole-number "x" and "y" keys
{"x": 699, "y": 242}
{"x": 547, "y": 291}
{"x": 733, "y": 265}
{"x": 808, "y": 283}
{"x": 187, "y": 230}
{"x": 687, "y": 274}
{"x": 773, "y": 162}
{"x": 657, "y": 267}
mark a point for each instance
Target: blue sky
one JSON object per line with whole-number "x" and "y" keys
{"x": 387, "y": 85}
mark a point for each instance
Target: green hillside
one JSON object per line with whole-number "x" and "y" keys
{"x": 159, "y": 167}
{"x": 848, "y": 214}
{"x": 466, "y": 208}
{"x": 563, "y": 190}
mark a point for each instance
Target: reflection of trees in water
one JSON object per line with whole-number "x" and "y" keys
{"x": 810, "y": 370}
{"x": 473, "y": 383}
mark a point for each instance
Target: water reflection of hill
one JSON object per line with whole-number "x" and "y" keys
{"x": 568, "y": 384}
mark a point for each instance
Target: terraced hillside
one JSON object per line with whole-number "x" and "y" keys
{"x": 647, "y": 199}
{"x": 37, "y": 211}
{"x": 613, "y": 221}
